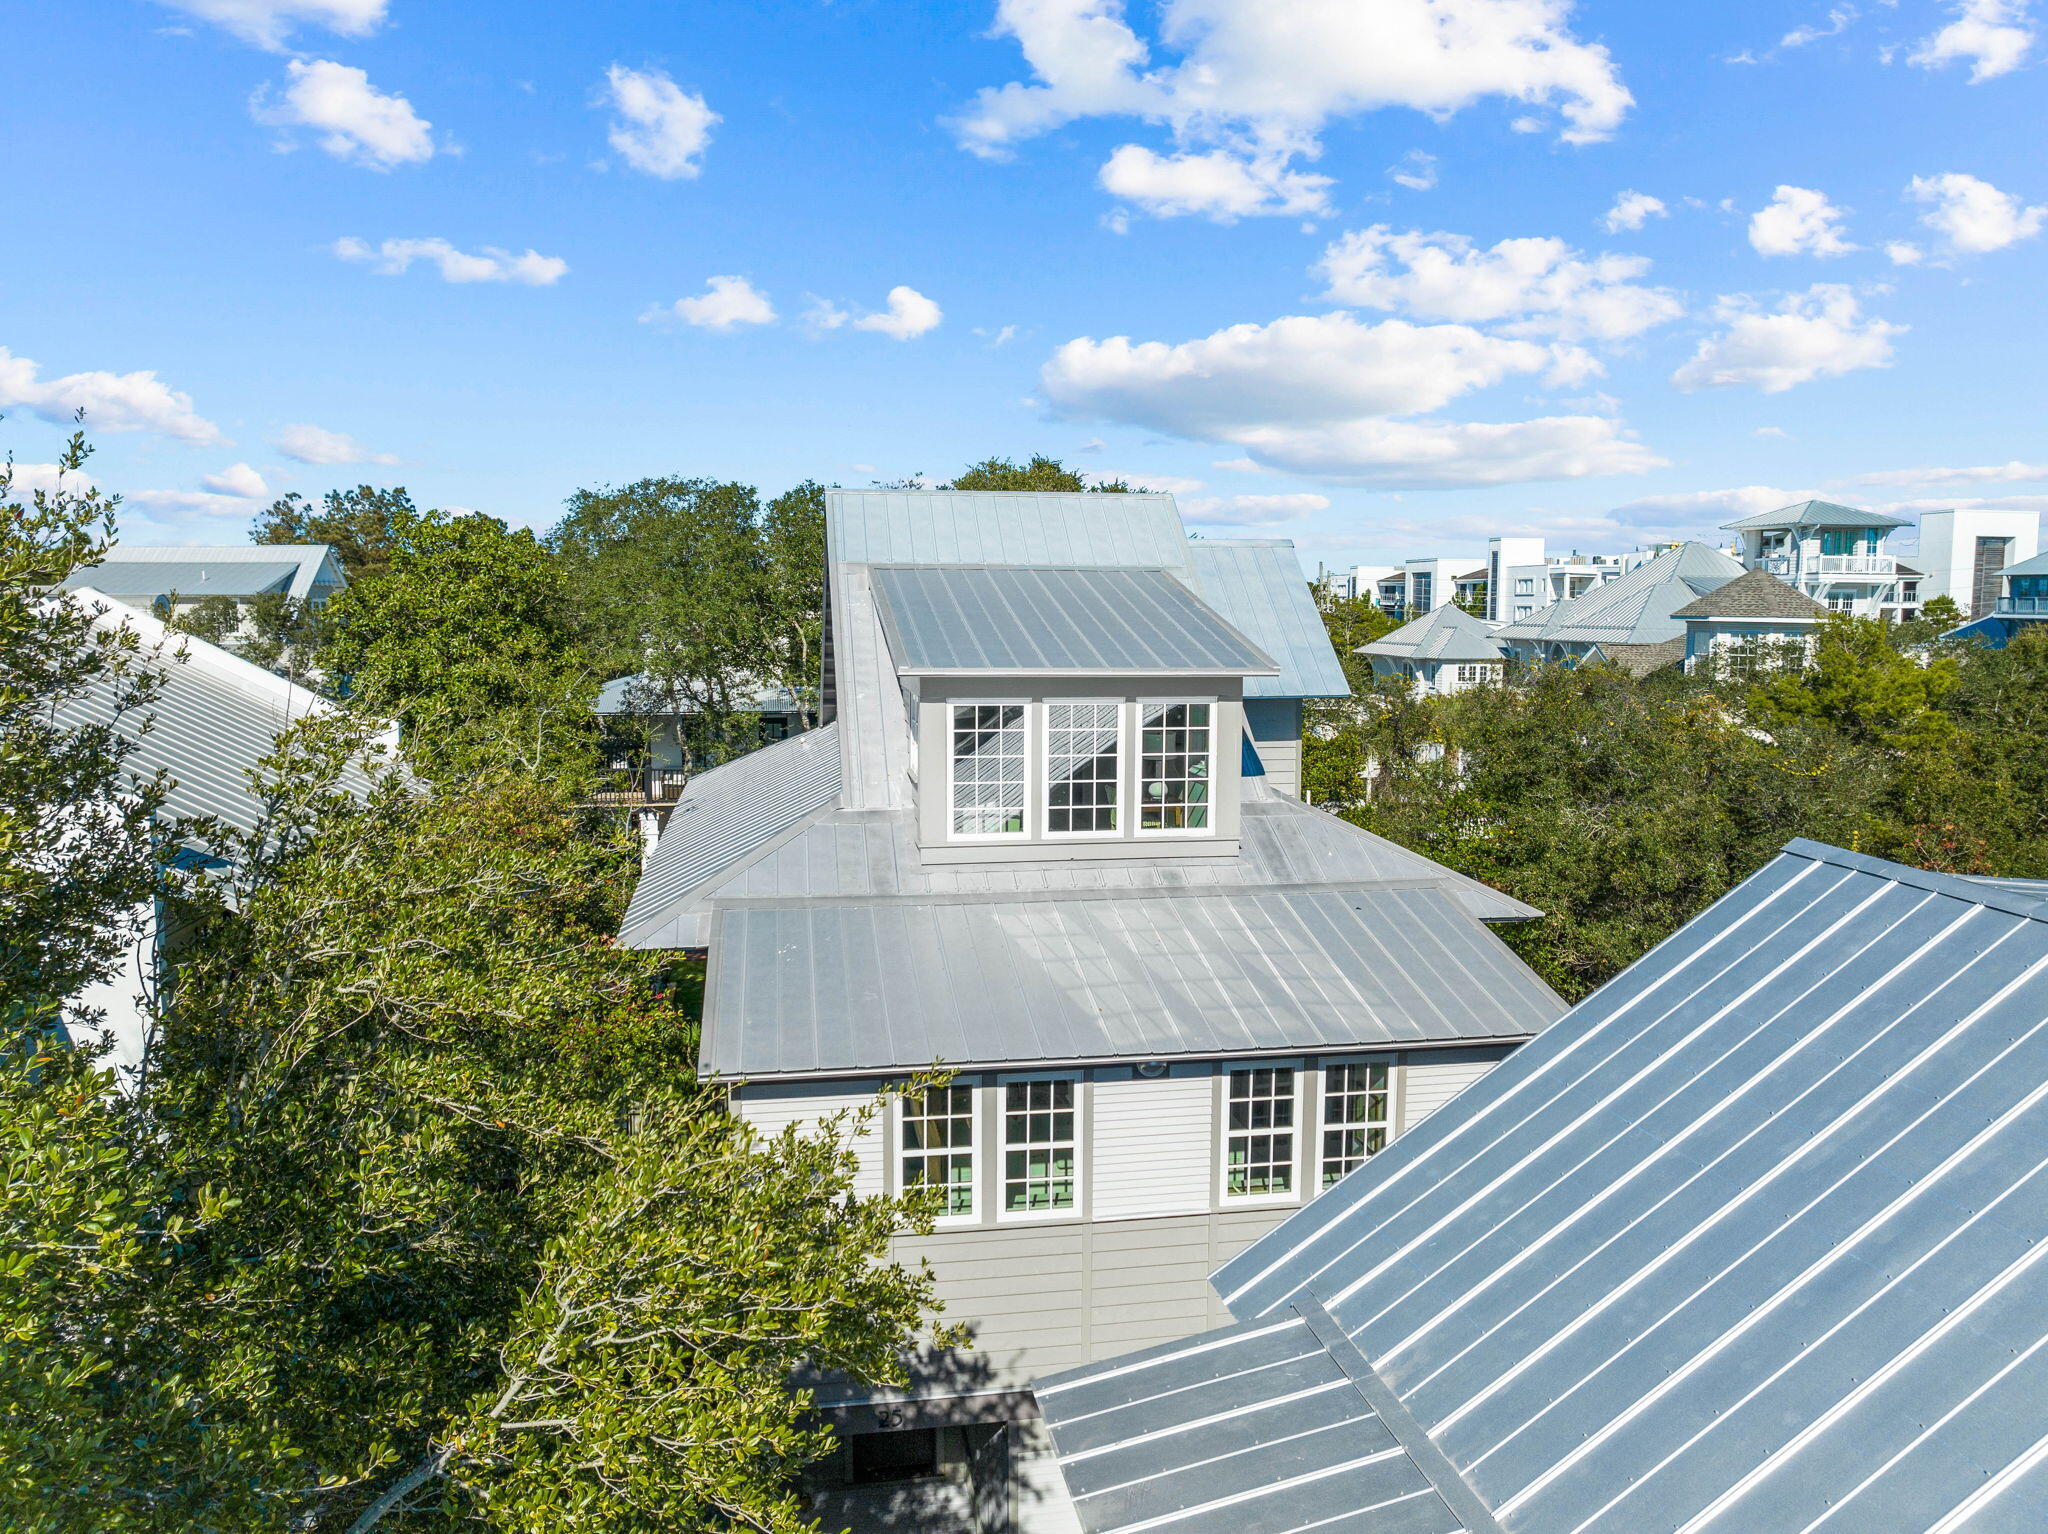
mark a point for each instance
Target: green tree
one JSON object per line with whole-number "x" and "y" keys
{"x": 278, "y": 632}
{"x": 1860, "y": 683}
{"x": 365, "y": 526}
{"x": 466, "y": 638}
{"x": 794, "y": 533}
{"x": 1040, "y": 473}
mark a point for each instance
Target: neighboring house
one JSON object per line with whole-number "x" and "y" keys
{"x": 645, "y": 736}
{"x": 1418, "y": 586}
{"x": 1754, "y": 1240}
{"x": 1470, "y": 590}
{"x": 2022, "y": 600}
{"x": 1754, "y": 622}
{"x": 1966, "y": 552}
{"x": 214, "y": 720}
{"x": 157, "y": 579}
{"x": 1358, "y": 581}
{"x": 1521, "y": 578}
{"x": 1834, "y": 554}
{"x": 1050, "y": 840}
{"x": 1629, "y": 620}
{"x": 1445, "y": 652}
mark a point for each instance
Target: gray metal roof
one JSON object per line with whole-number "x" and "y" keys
{"x": 811, "y": 986}
{"x": 1257, "y": 584}
{"x": 215, "y": 718}
{"x": 615, "y": 697}
{"x": 723, "y": 817}
{"x": 982, "y": 527}
{"x": 2038, "y": 565}
{"x": 1018, "y": 620}
{"x": 1749, "y": 1242}
{"x": 188, "y": 578}
{"x": 1814, "y": 514}
{"x": 1631, "y": 609}
{"x": 311, "y": 564}
{"x": 1753, "y": 594}
{"x": 1447, "y": 634}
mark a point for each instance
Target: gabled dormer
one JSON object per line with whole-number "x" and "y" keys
{"x": 1067, "y": 711}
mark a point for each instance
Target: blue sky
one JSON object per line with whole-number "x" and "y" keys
{"x": 1249, "y": 250}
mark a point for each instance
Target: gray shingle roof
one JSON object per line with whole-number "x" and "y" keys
{"x": 1749, "y": 1242}
{"x": 1631, "y": 609}
{"x": 1814, "y": 514}
{"x": 856, "y": 987}
{"x": 1447, "y": 634}
{"x": 1023, "y": 619}
{"x": 950, "y": 527}
{"x": 1257, "y": 584}
{"x": 1753, "y": 594}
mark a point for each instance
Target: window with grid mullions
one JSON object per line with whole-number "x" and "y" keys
{"x": 1355, "y": 1117}
{"x": 988, "y": 769}
{"x": 1173, "y": 793}
{"x": 1038, "y": 1147}
{"x": 1259, "y": 1145}
{"x": 1082, "y": 767}
{"x": 938, "y": 1146}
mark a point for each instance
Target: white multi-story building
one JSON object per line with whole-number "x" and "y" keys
{"x": 1834, "y": 554}
{"x": 1521, "y": 579}
{"x": 1964, "y": 552}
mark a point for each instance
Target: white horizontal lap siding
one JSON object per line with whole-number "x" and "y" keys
{"x": 773, "y": 1109}
{"x": 1429, "y": 1084}
{"x": 1154, "y": 1144}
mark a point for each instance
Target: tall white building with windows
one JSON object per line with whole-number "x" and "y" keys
{"x": 1051, "y": 838}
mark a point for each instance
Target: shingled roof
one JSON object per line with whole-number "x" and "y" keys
{"x": 1757, "y": 594}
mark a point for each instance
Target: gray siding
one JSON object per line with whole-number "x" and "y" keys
{"x": 1274, "y": 725}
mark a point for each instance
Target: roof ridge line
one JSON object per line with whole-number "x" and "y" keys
{"x": 1919, "y": 878}
{"x": 1073, "y": 896}
{"x": 1459, "y": 1494}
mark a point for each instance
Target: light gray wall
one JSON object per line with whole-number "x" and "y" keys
{"x": 1274, "y": 725}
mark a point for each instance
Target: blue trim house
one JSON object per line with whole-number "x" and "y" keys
{"x": 2022, "y": 599}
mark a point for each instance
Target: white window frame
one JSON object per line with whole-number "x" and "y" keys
{"x": 993, "y": 838}
{"x": 1137, "y": 769}
{"x": 1125, "y": 770}
{"x": 999, "y": 1149}
{"x": 1297, "y": 1128}
{"x": 977, "y": 1146}
{"x": 1326, "y": 1070}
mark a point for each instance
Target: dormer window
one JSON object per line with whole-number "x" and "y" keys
{"x": 1083, "y": 768}
{"x": 1173, "y": 788}
{"x": 988, "y": 769}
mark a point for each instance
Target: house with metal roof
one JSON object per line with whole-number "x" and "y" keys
{"x": 1753, "y": 1240}
{"x": 648, "y": 735}
{"x": 1753, "y": 622}
{"x": 2022, "y": 601}
{"x": 1442, "y": 652}
{"x": 1834, "y": 554}
{"x": 214, "y": 719}
{"x": 1628, "y": 620}
{"x": 159, "y": 578}
{"x": 1050, "y": 838}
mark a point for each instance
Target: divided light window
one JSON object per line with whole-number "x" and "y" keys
{"x": 1083, "y": 764}
{"x": 1173, "y": 774}
{"x": 1355, "y": 1122}
{"x": 1038, "y": 1147}
{"x": 938, "y": 1146}
{"x": 1259, "y": 1145}
{"x": 988, "y": 769}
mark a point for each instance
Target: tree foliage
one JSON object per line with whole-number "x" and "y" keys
{"x": 1039, "y": 473}
{"x": 366, "y": 526}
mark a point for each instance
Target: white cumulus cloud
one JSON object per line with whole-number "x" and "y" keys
{"x": 725, "y": 304}
{"x": 352, "y": 119}
{"x": 910, "y": 314}
{"x": 660, "y": 128}
{"x": 270, "y": 23}
{"x": 236, "y": 479}
{"x": 1992, "y": 35}
{"x": 1542, "y": 286}
{"x": 1415, "y": 170}
{"x": 1317, "y": 395}
{"x": 1252, "y": 510}
{"x": 1265, "y": 77}
{"x": 1164, "y": 484}
{"x": 1821, "y": 333}
{"x": 1973, "y": 216}
{"x": 1632, "y": 210}
{"x": 1798, "y": 221}
{"x": 1218, "y": 185}
{"x": 490, "y": 264}
{"x": 2014, "y": 472}
{"x": 314, "y": 444}
{"x": 137, "y": 401}
{"x": 25, "y": 479}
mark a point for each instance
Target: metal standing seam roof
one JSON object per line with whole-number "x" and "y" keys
{"x": 951, "y": 527}
{"x": 187, "y": 578}
{"x": 1749, "y": 1242}
{"x": 1022, "y": 619}
{"x": 811, "y": 986}
{"x": 1447, "y": 634}
{"x": 216, "y": 718}
{"x": 2038, "y": 565}
{"x": 308, "y": 562}
{"x": 1814, "y": 514}
{"x": 1258, "y": 585}
{"x": 1631, "y": 609}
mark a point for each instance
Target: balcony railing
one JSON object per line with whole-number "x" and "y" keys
{"x": 2025, "y": 607}
{"x": 1831, "y": 564}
